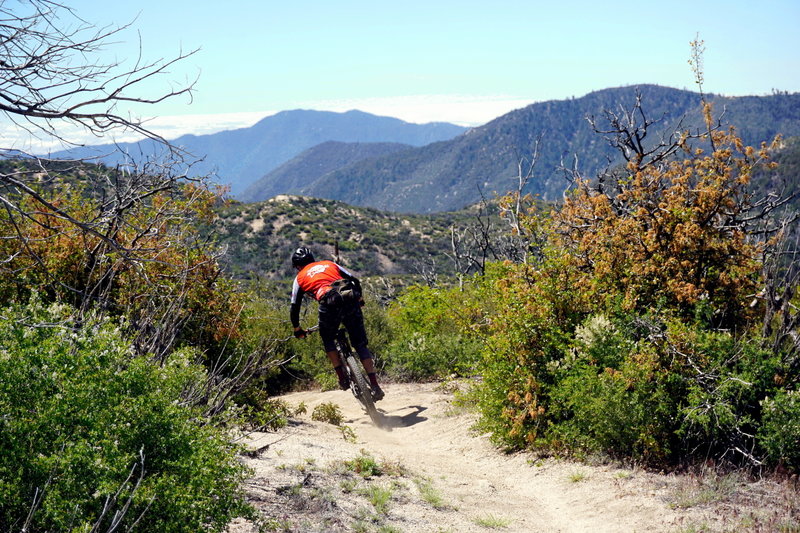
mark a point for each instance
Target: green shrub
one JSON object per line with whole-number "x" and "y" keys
{"x": 260, "y": 412}
{"x": 611, "y": 395}
{"x": 779, "y": 434}
{"x": 626, "y": 413}
{"x": 85, "y": 424}
{"x": 652, "y": 389}
{"x": 427, "y": 338}
{"x": 524, "y": 346}
{"x": 327, "y": 379}
{"x": 378, "y": 496}
{"x": 727, "y": 378}
{"x": 328, "y": 412}
{"x": 364, "y": 465}
{"x": 267, "y": 326}
{"x": 417, "y": 356}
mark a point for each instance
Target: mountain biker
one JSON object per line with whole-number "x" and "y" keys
{"x": 339, "y": 295}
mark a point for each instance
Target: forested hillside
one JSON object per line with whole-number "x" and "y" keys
{"x": 451, "y": 174}
{"x": 312, "y": 164}
{"x": 260, "y": 237}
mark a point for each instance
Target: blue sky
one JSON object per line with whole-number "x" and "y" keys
{"x": 459, "y": 61}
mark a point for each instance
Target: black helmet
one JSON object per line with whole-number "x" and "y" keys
{"x": 301, "y": 257}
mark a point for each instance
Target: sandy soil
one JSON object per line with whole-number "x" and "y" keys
{"x": 441, "y": 476}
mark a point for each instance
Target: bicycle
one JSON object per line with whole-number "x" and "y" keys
{"x": 359, "y": 384}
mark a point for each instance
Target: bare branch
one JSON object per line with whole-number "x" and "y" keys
{"x": 50, "y": 72}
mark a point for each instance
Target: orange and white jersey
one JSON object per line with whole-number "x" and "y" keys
{"x": 316, "y": 279}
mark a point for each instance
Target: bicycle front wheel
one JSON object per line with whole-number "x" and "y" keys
{"x": 361, "y": 388}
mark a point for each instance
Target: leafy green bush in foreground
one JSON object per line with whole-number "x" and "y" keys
{"x": 87, "y": 429}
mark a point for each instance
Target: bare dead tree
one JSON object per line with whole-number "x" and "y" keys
{"x": 50, "y": 72}
{"x": 526, "y": 166}
{"x": 478, "y": 241}
{"x": 426, "y": 268}
{"x": 484, "y": 238}
{"x": 627, "y": 130}
{"x": 516, "y": 209}
{"x": 781, "y": 315}
{"x": 459, "y": 253}
{"x": 383, "y": 289}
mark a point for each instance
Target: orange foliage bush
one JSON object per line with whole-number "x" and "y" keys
{"x": 670, "y": 235}
{"x": 147, "y": 263}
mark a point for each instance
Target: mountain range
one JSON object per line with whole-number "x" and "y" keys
{"x": 484, "y": 161}
{"x": 239, "y": 157}
{"x": 391, "y": 165}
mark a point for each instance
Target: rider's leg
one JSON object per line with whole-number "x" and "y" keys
{"x": 329, "y": 321}
{"x": 367, "y": 360}
{"x": 334, "y": 358}
{"x": 336, "y": 361}
{"x": 369, "y": 365}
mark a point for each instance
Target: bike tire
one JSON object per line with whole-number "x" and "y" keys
{"x": 361, "y": 389}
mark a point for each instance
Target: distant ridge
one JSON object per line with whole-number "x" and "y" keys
{"x": 242, "y": 156}
{"x": 313, "y": 164}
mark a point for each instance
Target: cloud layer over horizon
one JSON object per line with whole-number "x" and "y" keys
{"x": 461, "y": 110}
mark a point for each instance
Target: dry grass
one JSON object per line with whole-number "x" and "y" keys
{"x": 733, "y": 502}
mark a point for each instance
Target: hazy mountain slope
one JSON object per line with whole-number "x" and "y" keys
{"x": 242, "y": 156}
{"x": 312, "y": 164}
{"x": 450, "y": 174}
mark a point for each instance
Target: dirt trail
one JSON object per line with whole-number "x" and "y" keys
{"x": 480, "y": 487}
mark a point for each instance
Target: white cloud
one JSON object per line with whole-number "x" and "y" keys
{"x": 461, "y": 109}
{"x": 173, "y": 126}
{"x": 170, "y": 127}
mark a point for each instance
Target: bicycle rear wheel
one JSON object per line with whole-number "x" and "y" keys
{"x": 361, "y": 388}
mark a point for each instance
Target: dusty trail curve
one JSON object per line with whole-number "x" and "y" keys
{"x": 481, "y": 487}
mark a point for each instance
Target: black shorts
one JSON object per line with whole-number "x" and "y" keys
{"x": 330, "y": 317}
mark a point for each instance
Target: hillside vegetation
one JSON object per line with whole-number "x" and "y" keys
{"x": 260, "y": 237}
{"x": 313, "y": 164}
